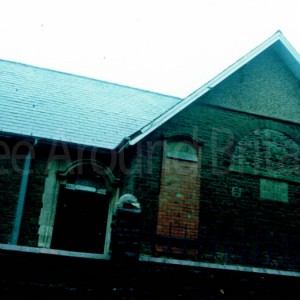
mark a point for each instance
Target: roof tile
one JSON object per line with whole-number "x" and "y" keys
{"x": 53, "y": 105}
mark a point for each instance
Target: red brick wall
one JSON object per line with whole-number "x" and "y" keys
{"x": 235, "y": 230}
{"x": 12, "y": 156}
{"x": 179, "y": 200}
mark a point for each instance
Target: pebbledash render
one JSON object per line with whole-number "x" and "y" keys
{"x": 110, "y": 179}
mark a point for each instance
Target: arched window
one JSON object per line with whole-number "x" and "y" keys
{"x": 77, "y": 209}
{"x": 269, "y": 153}
{"x": 81, "y": 213}
{"x": 272, "y": 155}
{"x": 181, "y": 150}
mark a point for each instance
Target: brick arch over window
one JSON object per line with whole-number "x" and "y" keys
{"x": 259, "y": 124}
{"x": 179, "y": 199}
{"x": 269, "y": 153}
{"x": 79, "y": 180}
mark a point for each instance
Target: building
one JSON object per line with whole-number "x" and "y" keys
{"x": 117, "y": 192}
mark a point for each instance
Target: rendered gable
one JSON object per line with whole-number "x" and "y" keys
{"x": 264, "y": 86}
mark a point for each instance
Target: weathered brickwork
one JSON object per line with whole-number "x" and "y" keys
{"x": 267, "y": 152}
{"x": 205, "y": 206}
{"x": 179, "y": 199}
{"x": 247, "y": 176}
{"x": 33, "y": 203}
{"x": 233, "y": 228}
{"x": 13, "y": 153}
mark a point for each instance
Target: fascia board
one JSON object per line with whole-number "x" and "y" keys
{"x": 278, "y": 36}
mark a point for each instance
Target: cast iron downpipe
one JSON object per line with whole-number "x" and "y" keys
{"x": 22, "y": 195}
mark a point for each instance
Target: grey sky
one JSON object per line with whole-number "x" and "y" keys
{"x": 166, "y": 46}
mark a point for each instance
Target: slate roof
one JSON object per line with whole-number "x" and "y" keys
{"x": 58, "y": 106}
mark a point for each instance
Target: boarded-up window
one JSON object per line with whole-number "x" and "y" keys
{"x": 178, "y": 214}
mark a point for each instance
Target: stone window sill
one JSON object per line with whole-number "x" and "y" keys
{"x": 36, "y": 250}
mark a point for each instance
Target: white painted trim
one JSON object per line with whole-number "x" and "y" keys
{"x": 49, "y": 203}
{"x": 37, "y": 250}
{"x": 111, "y": 210}
{"x": 289, "y": 47}
{"x": 50, "y": 198}
{"x": 85, "y": 188}
{"x": 225, "y": 267}
{"x": 278, "y": 36}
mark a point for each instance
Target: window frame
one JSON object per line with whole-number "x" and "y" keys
{"x": 57, "y": 176}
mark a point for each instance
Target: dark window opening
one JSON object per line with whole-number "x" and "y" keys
{"x": 80, "y": 222}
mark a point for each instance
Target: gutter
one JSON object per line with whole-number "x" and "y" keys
{"x": 126, "y": 142}
{"x": 22, "y": 196}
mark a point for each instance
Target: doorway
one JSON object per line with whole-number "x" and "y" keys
{"x": 80, "y": 221}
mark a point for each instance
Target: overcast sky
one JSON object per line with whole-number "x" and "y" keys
{"x": 167, "y": 46}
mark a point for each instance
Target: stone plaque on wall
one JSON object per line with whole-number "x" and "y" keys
{"x": 273, "y": 190}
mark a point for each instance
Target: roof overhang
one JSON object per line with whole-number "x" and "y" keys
{"x": 281, "y": 46}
